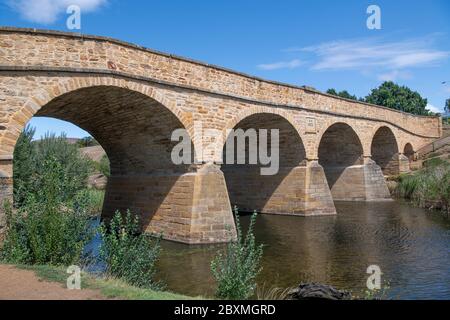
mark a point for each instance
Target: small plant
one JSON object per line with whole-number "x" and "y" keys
{"x": 104, "y": 166}
{"x": 235, "y": 270}
{"x": 376, "y": 294}
{"x": 271, "y": 293}
{"x": 129, "y": 254}
{"x": 92, "y": 199}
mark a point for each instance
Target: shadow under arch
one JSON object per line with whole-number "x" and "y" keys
{"x": 408, "y": 151}
{"x": 385, "y": 151}
{"x": 248, "y": 189}
{"x": 339, "y": 148}
{"x": 135, "y": 132}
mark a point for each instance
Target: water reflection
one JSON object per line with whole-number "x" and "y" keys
{"x": 411, "y": 245}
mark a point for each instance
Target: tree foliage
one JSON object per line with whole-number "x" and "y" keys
{"x": 31, "y": 164}
{"x": 393, "y": 96}
{"x": 87, "y": 142}
{"x": 45, "y": 229}
{"x": 343, "y": 94}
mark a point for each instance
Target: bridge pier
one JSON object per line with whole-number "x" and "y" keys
{"x": 191, "y": 207}
{"x": 403, "y": 163}
{"x": 300, "y": 190}
{"x": 363, "y": 182}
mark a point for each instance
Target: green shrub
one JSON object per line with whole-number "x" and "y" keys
{"x": 24, "y": 164}
{"x": 30, "y": 165}
{"x": 45, "y": 229}
{"x": 129, "y": 254}
{"x": 429, "y": 187}
{"x": 104, "y": 166}
{"x": 236, "y": 269}
{"x": 92, "y": 199}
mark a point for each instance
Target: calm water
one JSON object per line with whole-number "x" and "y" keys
{"x": 411, "y": 246}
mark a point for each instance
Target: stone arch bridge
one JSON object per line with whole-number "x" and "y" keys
{"x": 131, "y": 99}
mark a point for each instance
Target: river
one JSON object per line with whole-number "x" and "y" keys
{"x": 410, "y": 245}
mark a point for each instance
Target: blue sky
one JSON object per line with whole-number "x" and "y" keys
{"x": 318, "y": 43}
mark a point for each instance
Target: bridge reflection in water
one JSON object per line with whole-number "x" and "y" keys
{"x": 410, "y": 245}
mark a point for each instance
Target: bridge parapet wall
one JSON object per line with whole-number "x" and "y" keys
{"x": 41, "y": 50}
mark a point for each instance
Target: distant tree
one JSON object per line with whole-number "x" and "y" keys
{"x": 393, "y": 96}
{"x": 87, "y": 142}
{"x": 343, "y": 94}
{"x": 447, "y": 105}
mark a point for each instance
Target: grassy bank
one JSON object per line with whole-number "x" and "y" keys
{"x": 108, "y": 287}
{"x": 427, "y": 188}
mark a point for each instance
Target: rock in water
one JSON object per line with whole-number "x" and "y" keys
{"x": 317, "y": 291}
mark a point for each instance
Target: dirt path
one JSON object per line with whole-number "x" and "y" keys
{"x": 17, "y": 284}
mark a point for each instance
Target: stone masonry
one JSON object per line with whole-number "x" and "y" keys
{"x": 131, "y": 99}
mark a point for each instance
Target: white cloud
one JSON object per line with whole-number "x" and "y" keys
{"x": 394, "y": 75}
{"x": 47, "y": 11}
{"x": 434, "y": 109}
{"x": 374, "y": 53}
{"x": 281, "y": 65}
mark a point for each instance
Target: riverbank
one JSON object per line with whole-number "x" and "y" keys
{"x": 49, "y": 283}
{"x": 427, "y": 188}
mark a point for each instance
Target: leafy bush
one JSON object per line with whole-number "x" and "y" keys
{"x": 129, "y": 254}
{"x": 23, "y": 165}
{"x": 30, "y": 164}
{"x": 45, "y": 229}
{"x": 92, "y": 199}
{"x": 235, "y": 270}
{"x": 104, "y": 166}
{"x": 429, "y": 187}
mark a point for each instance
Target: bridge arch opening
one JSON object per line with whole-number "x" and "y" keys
{"x": 408, "y": 151}
{"x": 385, "y": 151}
{"x": 135, "y": 132}
{"x": 281, "y": 193}
{"x": 340, "y": 154}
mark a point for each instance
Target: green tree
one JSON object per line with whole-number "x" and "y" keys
{"x": 393, "y": 96}
{"x": 87, "y": 142}
{"x": 343, "y": 94}
{"x": 31, "y": 164}
{"x": 24, "y": 165}
{"x": 44, "y": 229}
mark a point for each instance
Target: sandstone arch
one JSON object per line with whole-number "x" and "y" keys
{"x": 286, "y": 191}
{"x": 340, "y": 153}
{"x": 385, "y": 150}
{"x": 408, "y": 151}
{"x": 135, "y": 131}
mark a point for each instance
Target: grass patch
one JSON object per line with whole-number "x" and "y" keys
{"x": 108, "y": 287}
{"x": 429, "y": 187}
